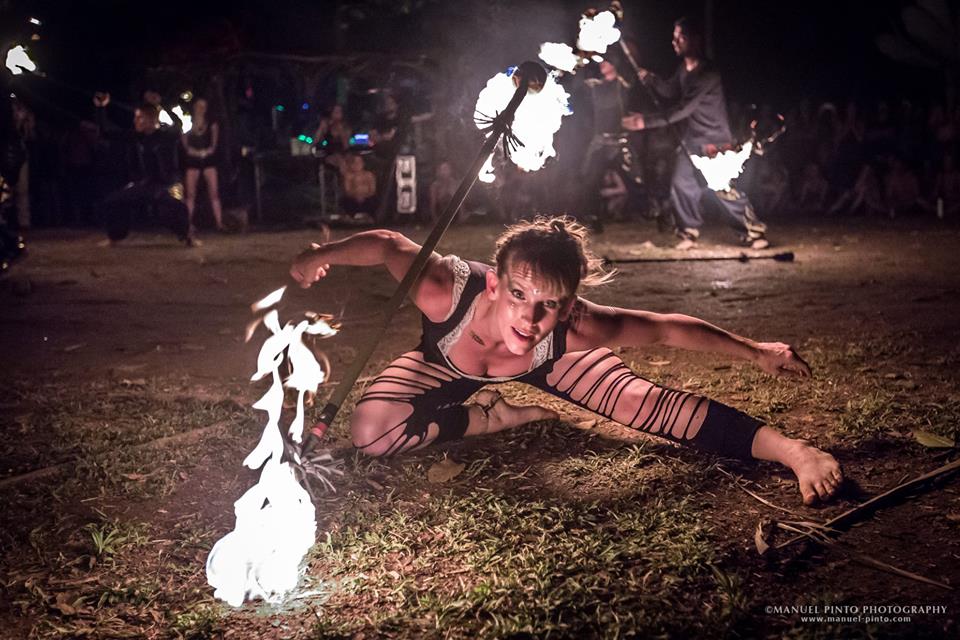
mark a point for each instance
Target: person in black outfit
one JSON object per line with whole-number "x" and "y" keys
{"x": 12, "y": 157}
{"x": 153, "y": 174}
{"x": 608, "y": 94}
{"x": 200, "y": 147}
{"x": 388, "y": 136}
{"x": 695, "y": 96}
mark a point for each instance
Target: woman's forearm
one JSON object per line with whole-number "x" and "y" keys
{"x": 364, "y": 249}
{"x": 693, "y": 334}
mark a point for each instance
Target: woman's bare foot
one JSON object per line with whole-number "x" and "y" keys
{"x": 491, "y": 413}
{"x": 817, "y": 471}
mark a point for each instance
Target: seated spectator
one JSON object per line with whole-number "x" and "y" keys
{"x": 441, "y": 190}
{"x": 613, "y": 192}
{"x": 865, "y": 197}
{"x": 947, "y": 187}
{"x": 813, "y": 188}
{"x": 902, "y": 188}
{"x": 359, "y": 186}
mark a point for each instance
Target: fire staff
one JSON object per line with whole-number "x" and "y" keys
{"x": 695, "y": 95}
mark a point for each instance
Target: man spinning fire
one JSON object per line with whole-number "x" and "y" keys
{"x": 696, "y": 103}
{"x": 521, "y": 319}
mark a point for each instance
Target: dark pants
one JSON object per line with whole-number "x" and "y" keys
{"x": 690, "y": 198}
{"x": 603, "y": 154}
{"x": 140, "y": 200}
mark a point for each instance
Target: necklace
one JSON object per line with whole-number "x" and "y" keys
{"x": 476, "y": 338}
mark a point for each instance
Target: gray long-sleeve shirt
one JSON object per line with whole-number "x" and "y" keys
{"x": 695, "y": 99}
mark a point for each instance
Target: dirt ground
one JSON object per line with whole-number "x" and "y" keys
{"x": 572, "y": 529}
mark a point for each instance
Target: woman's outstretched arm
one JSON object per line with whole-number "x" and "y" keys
{"x": 433, "y": 291}
{"x": 594, "y": 325}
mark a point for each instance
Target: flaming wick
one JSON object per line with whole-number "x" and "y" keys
{"x": 18, "y": 61}
{"x": 275, "y": 519}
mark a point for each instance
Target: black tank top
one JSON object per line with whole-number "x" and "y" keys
{"x": 438, "y": 337}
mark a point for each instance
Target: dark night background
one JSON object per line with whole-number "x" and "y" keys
{"x": 769, "y": 51}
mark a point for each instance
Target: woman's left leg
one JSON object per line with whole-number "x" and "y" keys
{"x": 213, "y": 190}
{"x": 600, "y": 381}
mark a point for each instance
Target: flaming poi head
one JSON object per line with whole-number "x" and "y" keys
{"x": 536, "y": 120}
{"x": 720, "y": 170}
{"x": 597, "y": 32}
{"x": 275, "y": 519}
{"x": 560, "y": 56}
{"x": 19, "y": 61}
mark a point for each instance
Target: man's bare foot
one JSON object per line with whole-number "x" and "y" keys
{"x": 817, "y": 471}
{"x": 500, "y": 414}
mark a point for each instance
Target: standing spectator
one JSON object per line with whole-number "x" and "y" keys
{"x": 388, "y": 132}
{"x": 333, "y": 136}
{"x": 441, "y": 190}
{"x": 200, "y": 146}
{"x": 79, "y": 153}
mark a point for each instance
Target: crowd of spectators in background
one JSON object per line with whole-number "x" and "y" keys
{"x": 881, "y": 158}
{"x": 876, "y": 160}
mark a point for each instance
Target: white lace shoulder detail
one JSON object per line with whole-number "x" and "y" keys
{"x": 461, "y": 272}
{"x": 448, "y": 340}
{"x": 542, "y": 352}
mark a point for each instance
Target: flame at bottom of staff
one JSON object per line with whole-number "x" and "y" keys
{"x": 275, "y": 529}
{"x": 723, "y": 168}
{"x": 275, "y": 519}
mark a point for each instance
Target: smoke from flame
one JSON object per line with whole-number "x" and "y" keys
{"x": 275, "y": 519}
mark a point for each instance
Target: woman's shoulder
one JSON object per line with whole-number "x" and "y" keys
{"x": 461, "y": 279}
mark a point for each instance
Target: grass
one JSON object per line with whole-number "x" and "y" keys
{"x": 488, "y": 560}
{"x": 549, "y": 531}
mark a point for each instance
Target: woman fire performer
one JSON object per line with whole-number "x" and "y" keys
{"x": 522, "y": 320}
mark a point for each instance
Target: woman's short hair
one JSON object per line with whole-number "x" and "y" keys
{"x": 555, "y": 248}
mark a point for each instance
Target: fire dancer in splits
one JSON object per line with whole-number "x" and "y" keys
{"x": 522, "y": 320}
{"x": 154, "y": 179}
{"x": 695, "y": 94}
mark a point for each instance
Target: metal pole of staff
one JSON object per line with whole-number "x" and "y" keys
{"x": 529, "y": 76}
{"x": 786, "y": 256}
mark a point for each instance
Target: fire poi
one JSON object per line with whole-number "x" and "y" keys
{"x": 275, "y": 519}
{"x": 19, "y": 61}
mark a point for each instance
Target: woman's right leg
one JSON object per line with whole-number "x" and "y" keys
{"x": 213, "y": 190}
{"x": 414, "y": 403}
{"x": 190, "y": 193}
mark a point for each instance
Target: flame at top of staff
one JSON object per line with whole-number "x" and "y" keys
{"x": 597, "y": 32}
{"x": 537, "y": 118}
{"x": 19, "y": 61}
